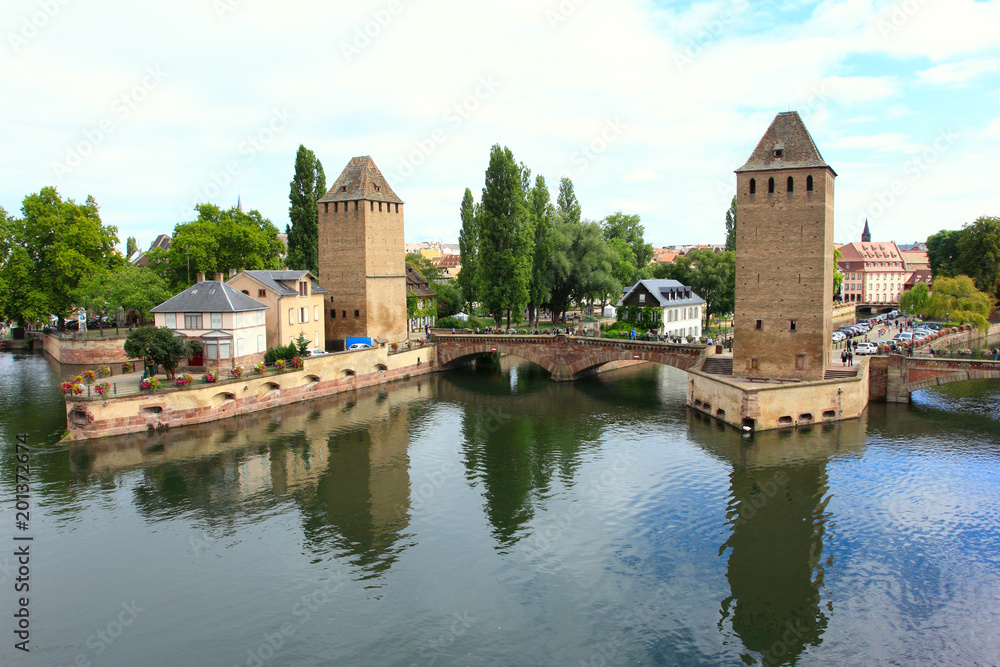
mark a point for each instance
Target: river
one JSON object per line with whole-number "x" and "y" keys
{"x": 490, "y": 516}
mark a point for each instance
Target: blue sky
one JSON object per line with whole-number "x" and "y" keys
{"x": 647, "y": 106}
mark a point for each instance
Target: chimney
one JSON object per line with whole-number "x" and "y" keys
{"x": 200, "y": 277}
{"x": 218, "y": 278}
{"x": 232, "y": 272}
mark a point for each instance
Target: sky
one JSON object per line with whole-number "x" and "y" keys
{"x": 648, "y": 106}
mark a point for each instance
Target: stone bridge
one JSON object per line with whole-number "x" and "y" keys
{"x": 565, "y": 357}
{"x": 895, "y": 378}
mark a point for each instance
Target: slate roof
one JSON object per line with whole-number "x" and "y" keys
{"x": 416, "y": 284}
{"x": 662, "y": 290}
{"x": 788, "y": 134}
{"x": 209, "y": 296}
{"x": 361, "y": 179}
{"x": 272, "y": 281}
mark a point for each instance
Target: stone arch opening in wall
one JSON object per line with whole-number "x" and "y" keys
{"x": 809, "y": 183}
{"x": 381, "y": 368}
{"x": 311, "y": 381}
{"x": 268, "y": 387}
{"x": 770, "y": 186}
{"x": 791, "y": 184}
{"x": 222, "y": 399}
{"x": 349, "y": 373}
{"x": 753, "y": 186}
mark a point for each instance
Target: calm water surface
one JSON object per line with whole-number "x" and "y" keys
{"x": 493, "y": 517}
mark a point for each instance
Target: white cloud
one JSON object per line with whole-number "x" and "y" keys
{"x": 959, "y": 73}
{"x": 642, "y": 176}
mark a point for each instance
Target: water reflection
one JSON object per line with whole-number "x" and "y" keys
{"x": 778, "y": 516}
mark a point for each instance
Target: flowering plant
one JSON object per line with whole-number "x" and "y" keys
{"x": 258, "y": 367}
{"x": 127, "y": 367}
{"x": 89, "y": 376}
{"x": 71, "y": 387}
{"x": 103, "y": 371}
{"x": 280, "y": 364}
{"x": 102, "y": 388}
{"x": 182, "y": 380}
{"x": 150, "y": 383}
{"x": 237, "y": 372}
{"x": 211, "y": 375}
{"x": 296, "y": 362}
{"x": 394, "y": 346}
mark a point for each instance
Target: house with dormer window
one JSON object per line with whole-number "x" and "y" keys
{"x": 294, "y": 300}
{"x": 229, "y": 324}
{"x": 682, "y": 309}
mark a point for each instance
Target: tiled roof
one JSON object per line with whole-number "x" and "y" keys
{"x": 416, "y": 284}
{"x": 272, "y": 280}
{"x": 870, "y": 251}
{"x": 447, "y": 261}
{"x": 209, "y": 297}
{"x": 789, "y": 136}
{"x": 361, "y": 179}
{"x": 919, "y": 276}
{"x": 661, "y": 291}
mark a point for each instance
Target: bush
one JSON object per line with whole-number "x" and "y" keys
{"x": 286, "y": 352}
{"x": 452, "y": 323}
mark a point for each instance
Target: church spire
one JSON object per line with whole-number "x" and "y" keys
{"x": 866, "y": 236}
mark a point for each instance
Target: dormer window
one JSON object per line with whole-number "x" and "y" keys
{"x": 642, "y": 298}
{"x": 343, "y": 188}
{"x": 778, "y": 152}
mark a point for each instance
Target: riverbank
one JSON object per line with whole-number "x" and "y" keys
{"x": 89, "y": 418}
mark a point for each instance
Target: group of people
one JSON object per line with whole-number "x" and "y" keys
{"x": 847, "y": 356}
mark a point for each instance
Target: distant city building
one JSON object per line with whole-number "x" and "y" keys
{"x": 362, "y": 256}
{"x": 229, "y": 324}
{"x": 664, "y": 256}
{"x": 450, "y": 265}
{"x": 682, "y": 308}
{"x": 873, "y": 272}
{"x": 913, "y": 247}
{"x": 139, "y": 258}
{"x": 422, "y": 297}
{"x": 295, "y": 301}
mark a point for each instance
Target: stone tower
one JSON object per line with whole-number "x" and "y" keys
{"x": 784, "y": 257}
{"x": 362, "y": 256}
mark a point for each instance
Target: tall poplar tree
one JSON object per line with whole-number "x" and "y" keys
{"x": 731, "y": 225}
{"x": 468, "y": 248}
{"x": 504, "y": 269}
{"x": 308, "y": 185}
{"x": 542, "y": 215}
{"x": 567, "y": 202}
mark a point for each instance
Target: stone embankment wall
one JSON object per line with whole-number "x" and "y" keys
{"x": 84, "y": 352}
{"x": 319, "y": 376}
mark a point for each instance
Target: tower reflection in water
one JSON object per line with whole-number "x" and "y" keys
{"x": 778, "y": 518}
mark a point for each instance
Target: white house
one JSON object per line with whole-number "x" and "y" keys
{"x": 682, "y": 309}
{"x": 229, "y": 324}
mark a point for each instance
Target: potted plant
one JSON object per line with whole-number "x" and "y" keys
{"x": 394, "y": 346}
{"x": 103, "y": 371}
{"x": 280, "y": 364}
{"x": 184, "y": 379}
{"x": 259, "y": 367}
{"x": 127, "y": 367}
{"x": 89, "y": 376}
{"x": 211, "y": 375}
{"x": 102, "y": 388}
{"x": 150, "y": 383}
{"x": 296, "y": 362}
{"x": 237, "y": 371}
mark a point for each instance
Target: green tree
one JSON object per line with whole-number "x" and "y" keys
{"x": 137, "y": 291}
{"x": 629, "y": 228}
{"x": 582, "y": 266}
{"x": 449, "y": 299}
{"x": 680, "y": 270}
{"x": 713, "y": 278}
{"x": 156, "y": 345}
{"x": 942, "y": 252}
{"x": 542, "y": 222}
{"x": 731, "y": 226}
{"x": 979, "y": 253}
{"x": 838, "y": 275}
{"x": 957, "y": 300}
{"x": 301, "y": 344}
{"x": 915, "y": 300}
{"x": 130, "y": 246}
{"x": 216, "y": 242}
{"x": 504, "y": 269}
{"x": 426, "y": 267}
{"x": 468, "y": 247}
{"x": 307, "y": 187}
{"x": 52, "y": 248}
{"x": 567, "y": 203}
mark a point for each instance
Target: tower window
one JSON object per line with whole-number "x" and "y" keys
{"x": 333, "y": 313}
{"x": 357, "y": 313}
{"x": 753, "y": 186}
{"x": 326, "y": 207}
{"x": 800, "y": 362}
{"x": 770, "y": 186}
{"x": 397, "y": 208}
{"x": 809, "y": 183}
{"x": 791, "y": 184}
{"x": 754, "y": 364}
{"x": 343, "y": 188}
{"x": 380, "y": 207}
{"x": 792, "y": 324}
{"x": 758, "y": 325}
{"x": 778, "y": 152}
{"x": 355, "y": 204}
{"x": 343, "y": 314}
{"x": 372, "y": 207}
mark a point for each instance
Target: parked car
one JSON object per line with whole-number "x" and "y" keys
{"x": 866, "y": 348}
{"x": 359, "y": 346}
{"x": 314, "y": 352}
{"x": 905, "y": 336}
{"x": 839, "y": 336}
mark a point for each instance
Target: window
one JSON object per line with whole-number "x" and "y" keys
{"x": 239, "y": 347}
{"x": 753, "y": 186}
{"x": 192, "y": 320}
{"x": 758, "y": 325}
{"x": 260, "y": 317}
{"x": 291, "y": 316}
{"x": 303, "y": 289}
{"x": 316, "y": 339}
{"x": 355, "y": 203}
{"x": 809, "y": 183}
{"x": 333, "y": 314}
{"x": 791, "y": 184}
{"x": 357, "y": 313}
{"x": 792, "y": 324}
{"x": 246, "y": 292}
{"x": 211, "y": 349}
{"x": 343, "y": 314}
{"x": 642, "y": 298}
{"x": 239, "y": 320}
{"x": 316, "y": 313}
{"x": 260, "y": 342}
{"x": 171, "y": 320}
{"x": 800, "y": 362}
{"x": 303, "y": 315}
{"x": 754, "y": 364}
{"x": 770, "y": 186}
{"x": 216, "y": 320}
{"x": 778, "y": 152}
{"x": 261, "y": 293}
{"x": 224, "y": 349}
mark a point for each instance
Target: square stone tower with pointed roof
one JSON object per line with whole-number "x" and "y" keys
{"x": 784, "y": 257}
{"x": 362, "y": 256}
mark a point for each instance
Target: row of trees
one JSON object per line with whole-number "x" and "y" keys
{"x": 520, "y": 251}
{"x": 972, "y": 251}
